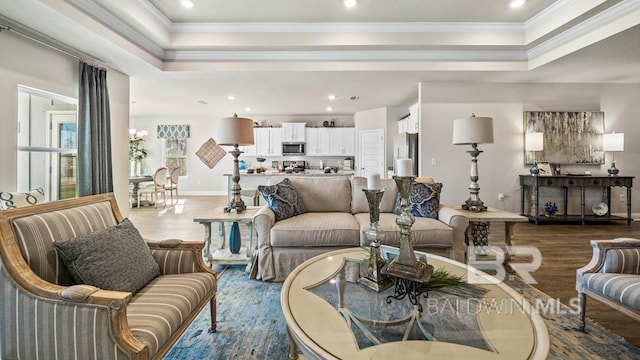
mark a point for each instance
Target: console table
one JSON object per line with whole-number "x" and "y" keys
{"x": 534, "y": 183}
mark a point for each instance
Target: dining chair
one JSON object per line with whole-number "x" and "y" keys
{"x": 157, "y": 187}
{"x": 172, "y": 184}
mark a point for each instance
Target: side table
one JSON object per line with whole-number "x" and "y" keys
{"x": 492, "y": 227}
{"x": 222, "y": 255}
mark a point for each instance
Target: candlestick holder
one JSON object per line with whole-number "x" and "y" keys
{"x": 373, "y": 279}
{"x": 407, "y": 271}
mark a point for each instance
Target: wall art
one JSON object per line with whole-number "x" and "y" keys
{"x": 569, "y": 137}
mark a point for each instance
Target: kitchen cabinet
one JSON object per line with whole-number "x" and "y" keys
{"x": 402, "y": 126}
{"x": 331, "y": 141}
{"x": 268, "y": 142}
{"x": 294, "y": 132}
{"x": 343, "y": 141}
{"x": 413, "y": 121}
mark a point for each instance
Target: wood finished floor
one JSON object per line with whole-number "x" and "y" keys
{"x": 564, "y": 248}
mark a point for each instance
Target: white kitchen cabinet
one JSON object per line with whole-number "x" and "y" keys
{"x": 294, "y": 132}
{"x": 318, "y": 142}
{"x": 268, "y": 142}
{"x": 413, "y": 121}
{"x": 343, "y": 141}
{"x": 402, "y": 126}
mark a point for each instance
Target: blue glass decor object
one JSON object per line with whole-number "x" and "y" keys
{"x": 234, "y": 238}
{"x": 550, "y": 208}
{"x": 242, "y": 165}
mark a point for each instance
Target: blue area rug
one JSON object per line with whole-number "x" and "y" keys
{"x": 251, "y": 326}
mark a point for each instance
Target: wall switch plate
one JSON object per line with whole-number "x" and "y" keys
{"x": 434, "y": 162}
{"x": 621, "y": 197}
{"x": 500, "y": 197}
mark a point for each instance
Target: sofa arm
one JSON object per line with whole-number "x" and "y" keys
{"x": 608, "y": 257}
{"x": 459, "y": 223}
{"x": 178, "y": 257}
{"x": 263, "y": 222}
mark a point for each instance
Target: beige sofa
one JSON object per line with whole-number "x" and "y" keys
{"x": 337, "y": 217}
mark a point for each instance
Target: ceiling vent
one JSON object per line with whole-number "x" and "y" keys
{"x": 354, "y": 98}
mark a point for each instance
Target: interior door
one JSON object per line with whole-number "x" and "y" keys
{"x": 372, "y": 152}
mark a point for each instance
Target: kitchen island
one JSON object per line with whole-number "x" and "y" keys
{"x": 251, "y": 181}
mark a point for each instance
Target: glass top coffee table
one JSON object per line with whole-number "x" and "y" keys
{"x": 491, "y": 322}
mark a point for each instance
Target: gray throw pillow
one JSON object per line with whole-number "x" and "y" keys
{"x": 283, "y": 199}
{"x": 116, "y": 258}
{"x": 424, "y": 200}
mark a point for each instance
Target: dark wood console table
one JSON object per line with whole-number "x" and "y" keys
{"x": 567, "y": 181}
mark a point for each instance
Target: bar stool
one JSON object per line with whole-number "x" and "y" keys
{"x": 254, "y": 194}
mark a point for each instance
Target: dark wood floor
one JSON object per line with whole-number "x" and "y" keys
{"x": 564, "y": 248}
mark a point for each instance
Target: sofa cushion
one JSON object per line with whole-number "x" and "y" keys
{"x": 164, "y": 304}
{"x": 623, "y": 288}
{"x": 316, "y": 229}
{"x": 425, "y": 232}
{"x": 11, "y": 200}
{"x": 359, "y": 202}
{"x": 115, "y": 258}
{"x": 424, "y": 200}
{"x": 324, "y": 194}
{"x": 283, "y": 199}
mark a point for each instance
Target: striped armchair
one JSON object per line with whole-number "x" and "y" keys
{"x": 612, "y": 277}
{"x": 52, "y": 317}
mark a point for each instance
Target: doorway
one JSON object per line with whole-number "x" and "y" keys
{"x": 372, "y": 152}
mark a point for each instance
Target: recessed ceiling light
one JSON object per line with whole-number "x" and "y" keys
{"x": 231, "y": 97}
{"x": 350, "y": 3}
{"x": 516, "y": 3}
{"x": 202, "y": 102}
{"x": 329, "y": 108}
{"x": 187, "y": 3}
{"x": 247, "y": 109}
{"x": 331, "y": 97}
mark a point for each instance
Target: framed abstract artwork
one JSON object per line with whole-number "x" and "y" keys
{"x": 569, "y": 137}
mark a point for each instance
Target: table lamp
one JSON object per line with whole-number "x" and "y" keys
{"x": 613, "y": 142}
{"x": 534, "y": 142}
{"x": 473, "y": 131}
{"x": 235, "y": 131}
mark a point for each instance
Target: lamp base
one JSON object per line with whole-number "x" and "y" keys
{"x": 235, "y": 204}
{"x": 613, "y": 171}
{"x": 534, "y": 170}
{"x": 474, "y": 205}
{"x": 238, "y": 206}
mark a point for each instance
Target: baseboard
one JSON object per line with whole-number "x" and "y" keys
{"x": 203, "y": 193}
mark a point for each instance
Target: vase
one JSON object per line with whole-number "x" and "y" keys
{"x": 234, "y": 238}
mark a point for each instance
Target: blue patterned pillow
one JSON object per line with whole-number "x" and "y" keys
{"x": 283, "y": 199}
{"x": 424, "y": 200}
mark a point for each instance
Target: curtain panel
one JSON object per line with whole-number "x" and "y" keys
{"x": 95, "y": 173}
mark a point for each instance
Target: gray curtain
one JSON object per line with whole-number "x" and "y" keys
{"x": 95, "y": 174}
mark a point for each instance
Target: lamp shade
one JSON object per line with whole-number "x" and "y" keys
{"x": 235, "y": 130}
{"x": 613, "y": 142}
{"x": 473, "y": 130}
{"x": 534, "y": 141}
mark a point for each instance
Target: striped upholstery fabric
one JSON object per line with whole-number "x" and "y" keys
{"x": 619, "y": 287}
{"x": 37, "y": 233}
{"x": 36, "y": 329}
{"x": 622, "y": 261}
{"x": 175, "y": 261}
{"x": 161, "y": 307}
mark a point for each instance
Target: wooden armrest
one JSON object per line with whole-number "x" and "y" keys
{"x": 175, "y": 244}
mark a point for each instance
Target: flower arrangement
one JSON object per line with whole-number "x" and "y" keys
{"x": 137, "y": 152}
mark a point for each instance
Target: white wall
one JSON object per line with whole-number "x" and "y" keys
{"x": 27, "y": 63}
{"x": 204, "y": 181}
{"x": 501, "y": 162}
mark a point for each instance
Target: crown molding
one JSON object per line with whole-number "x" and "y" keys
{"x": 547, "y": 12}
{"x": 356, "y": 55}
{"x": 390, "y": 27}
{"x": 156, "y": 14}
{"x": 115, "y": 24}
{"x": 596, "y": 22}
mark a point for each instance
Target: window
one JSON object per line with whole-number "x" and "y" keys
{"x": 175, "y": 154}
{"x": 47, "y": 143}
{"x": 174, "y": 143}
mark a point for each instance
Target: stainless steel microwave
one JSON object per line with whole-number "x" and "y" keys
{"x": 293, "y": 149}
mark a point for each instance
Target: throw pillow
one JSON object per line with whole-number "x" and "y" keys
{"x": 424, "y": 200}
{"x": 283, "y": 199}
{"x": 11, "y": 200}
{"x": 115, "y": 258}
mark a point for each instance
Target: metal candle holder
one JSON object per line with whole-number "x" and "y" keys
{"x": 374, "y": 280}
{"x": 408, "y": 272}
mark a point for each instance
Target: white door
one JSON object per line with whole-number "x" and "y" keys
{"x": 372, "y": 152}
